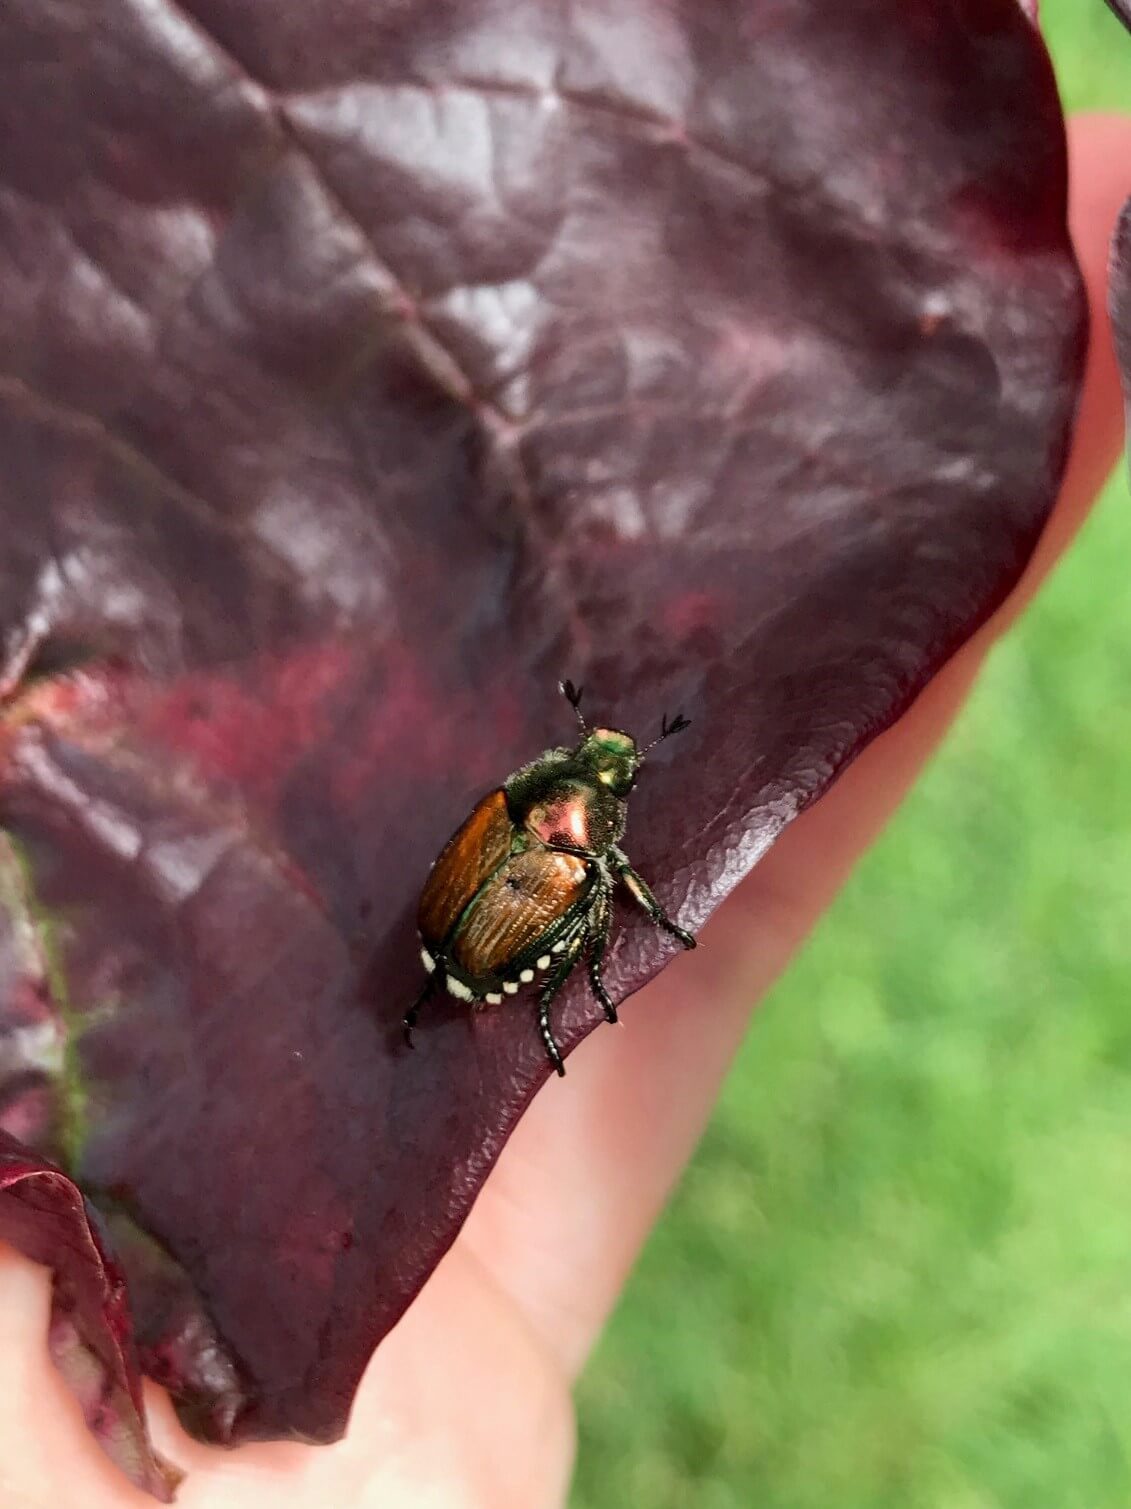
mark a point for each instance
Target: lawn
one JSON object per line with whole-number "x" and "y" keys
{"x": 898, "y": 1272}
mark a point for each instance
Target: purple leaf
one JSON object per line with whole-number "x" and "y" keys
{"x": 368, "y": 368}
{"x": 43, "y": 1213}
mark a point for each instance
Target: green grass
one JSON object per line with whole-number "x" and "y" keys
{"x": 898, "y": 1272}
{"x": 1091, "y": 52}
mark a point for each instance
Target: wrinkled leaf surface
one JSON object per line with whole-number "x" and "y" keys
{"x": 368, "y": 367}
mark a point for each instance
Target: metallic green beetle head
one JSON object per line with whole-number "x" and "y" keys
{"x": 612, "y": 757}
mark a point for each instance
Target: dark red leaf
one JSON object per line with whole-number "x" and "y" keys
{"x": 369, "y": 367}
{"x": 43, "y": 1213}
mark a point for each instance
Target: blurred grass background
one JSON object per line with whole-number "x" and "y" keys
{"x": 898, "y": 1272}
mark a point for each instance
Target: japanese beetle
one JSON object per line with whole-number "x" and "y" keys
{"x": 525, "y": 885}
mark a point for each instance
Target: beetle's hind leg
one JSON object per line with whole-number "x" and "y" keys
{"x": 641, "y": 893}
{"x": 557, "y": 978}
{"x": 408, "y": 1022}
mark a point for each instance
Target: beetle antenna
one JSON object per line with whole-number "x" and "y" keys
{"x": 676, "y": 726}
{"x": 572, "y": 694}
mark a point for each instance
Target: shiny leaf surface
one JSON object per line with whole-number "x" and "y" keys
{"x": 368, "y": 367}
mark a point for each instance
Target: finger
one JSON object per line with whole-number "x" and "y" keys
{"x": 563, "y": 1216}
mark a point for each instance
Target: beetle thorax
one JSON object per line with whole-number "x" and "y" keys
{"x": 571, "y": 812}
{"x": 567, "y": 819}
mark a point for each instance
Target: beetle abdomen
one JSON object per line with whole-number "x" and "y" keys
{"x": 517, "y": 906}
{"x": 469, "y": 857}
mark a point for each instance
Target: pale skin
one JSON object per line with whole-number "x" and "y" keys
{"x": 467, "y": 1404}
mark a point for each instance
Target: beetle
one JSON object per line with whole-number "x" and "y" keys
{"x": 525, "y": 885}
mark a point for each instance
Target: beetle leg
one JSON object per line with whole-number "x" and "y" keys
{"x": 410, "y": 1016}
{"x": 642, "y": 895}
{"x": 599, "y": 920}
{"x": 557, "y": 979}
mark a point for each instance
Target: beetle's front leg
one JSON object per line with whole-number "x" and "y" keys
{"x": 642, "y": 895}
{"x": 555, "y": 982}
